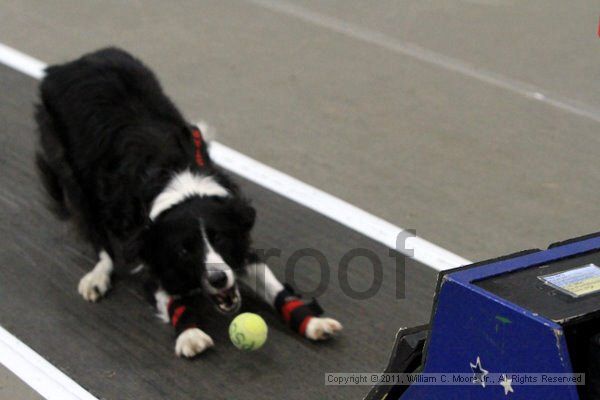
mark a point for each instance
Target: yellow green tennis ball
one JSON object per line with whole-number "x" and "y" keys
{"x": 248, "y": 331}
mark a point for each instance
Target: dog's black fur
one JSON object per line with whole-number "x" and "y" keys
{"x": 110, "y": 142}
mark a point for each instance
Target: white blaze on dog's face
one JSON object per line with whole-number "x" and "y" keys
{"x": 200, "y": 233}
{"x": 219, "y": 275}
{"x": 218, "y": 280}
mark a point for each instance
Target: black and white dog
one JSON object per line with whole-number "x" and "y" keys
{"x": 117, "y": 155}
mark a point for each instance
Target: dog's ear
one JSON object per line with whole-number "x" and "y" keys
{"x": 133, "y": 248}
{"x": 246, "y": 214}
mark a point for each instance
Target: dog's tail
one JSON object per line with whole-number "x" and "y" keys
{"x": 209, "y": 133}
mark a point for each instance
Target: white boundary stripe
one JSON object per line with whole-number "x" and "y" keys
{"x": 38, "y": 373}
{"x": 21, "y": 62}
{"x": 339, "y": 210}
{"x": 420, "y": 53}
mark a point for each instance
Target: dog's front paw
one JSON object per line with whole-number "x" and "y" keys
{"x": 322, "y": 328}
{"x": 94, "y": 285}
{"x": 192, "y": 342}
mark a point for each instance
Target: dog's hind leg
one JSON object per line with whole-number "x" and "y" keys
{"x": 51, "y": 182}
{"x": 96, "y": 283}
{"x": 300, "y": 316}
{"x": 69, "y": 198}
{"x": 52, "y": 167}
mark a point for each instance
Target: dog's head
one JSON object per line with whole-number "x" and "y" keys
{"x": 199, "y": 244}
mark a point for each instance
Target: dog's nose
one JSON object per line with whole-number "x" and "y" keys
{"x": 217, "y": 279}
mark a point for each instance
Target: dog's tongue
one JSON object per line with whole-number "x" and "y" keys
{"x": 227, "y": 302}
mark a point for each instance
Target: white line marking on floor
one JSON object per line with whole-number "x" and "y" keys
{"x": 420, "y": 53}
{"x": 21, "y": 62}
{"x": 337, "y": 209}
{"x": 38, "y": 373}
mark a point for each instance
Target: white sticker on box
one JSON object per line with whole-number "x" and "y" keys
{"x": 576, "y": 282}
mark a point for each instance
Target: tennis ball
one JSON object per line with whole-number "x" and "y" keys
{"x": 248, "y": 331}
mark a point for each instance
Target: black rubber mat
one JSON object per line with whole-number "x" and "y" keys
{"x": 117, "y": 349}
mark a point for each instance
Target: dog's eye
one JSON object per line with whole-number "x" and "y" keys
{"x": 219, "y": 240}
{"x": 182, "y": 252}
{"x": 185, "y": 250}
{"x": 214, "y": 237}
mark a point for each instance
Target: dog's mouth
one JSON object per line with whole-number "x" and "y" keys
{"x": 227, "y": 301}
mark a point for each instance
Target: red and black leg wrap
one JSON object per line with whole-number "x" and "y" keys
{"x": 181, "y": 315}
{"x": 295, "y": 311}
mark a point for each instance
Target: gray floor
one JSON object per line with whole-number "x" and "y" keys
{"x": 328, "y": 92}
{"x": 118, "y": 350}
{"x": 479, "y": 170}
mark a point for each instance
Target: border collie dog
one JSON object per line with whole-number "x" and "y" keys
{"x": 118, "y": 157}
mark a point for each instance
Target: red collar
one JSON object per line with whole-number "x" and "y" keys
{"x": 198, "y": 142}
